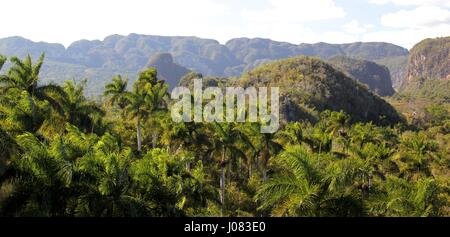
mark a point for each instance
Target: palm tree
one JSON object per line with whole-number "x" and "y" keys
{"x": 266, "y": 146}
{"x": 292, "y": 134}
{"x": 23, "y": 78}
{"x": 24, "y": 75}
{"x": 21, "y": 112}
{"x": 402, "y": 198}
{"x": 147, "y": 98}
{"x": 419, "y": 147}
{"x": 319, "y": 138}
{"x": 8, "y": 148}
{"x": 362, "y": 133}
{"x": 2, "y": 61}
{"x": 76, "y": 108}
{"x": 34, "y": 175}
{"x": 226, "y": 139}
{"x": 116, "y": 90}
{"x": 303, "y": 188}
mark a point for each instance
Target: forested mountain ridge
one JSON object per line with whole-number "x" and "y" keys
{"x": 309, "y": 86}
{"x": 100, "y": 60}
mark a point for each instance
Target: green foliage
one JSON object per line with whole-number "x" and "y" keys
{"x": 312, "y": 83}
{"x": 63, "y": 155}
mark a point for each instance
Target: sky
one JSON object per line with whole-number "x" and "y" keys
{"x": 402, "y": 22}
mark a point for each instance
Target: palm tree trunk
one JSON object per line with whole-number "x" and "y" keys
{"x": 222, "y": 185}
{"x": 222, "y": 181}
{"x": 139, "y": 135}
{"x": 154, "y": 138}
{"x": 250, "y": 168}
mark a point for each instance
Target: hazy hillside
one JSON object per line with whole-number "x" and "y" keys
{"x": 254, "y": 52}
{"x": 375, "y": 76}
{"x": 309, "y": 85}
{"x": 397, "y": 66}
{"x": 168, "y": 71}
{"x": 99, "y": 60}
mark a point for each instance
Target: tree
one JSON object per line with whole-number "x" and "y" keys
{"x": 116, "y": 92}
{"x": 21, "y": 112}
{"x": 266, "y": 146}
{"x": 292, "y": 134}
{"x": 2, "y": 61}
{"x": 225, "y": 142}
{"x": 76, "y": 108}
{"x": 418, "y": 149}
{"x": 301, "y": 188}
{"x": 148, "y": 97}
{"x": 400, "y": 197}
{"x": 24, "y": 75}
{"x": 22, "y": 81}
{"x": 38, "y": 191}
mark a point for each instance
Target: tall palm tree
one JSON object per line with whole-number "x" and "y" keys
{"x": 226, "y": 140}
{"x": 266, "y": 146}
{"x": 24, "y": 75}
{"x": 23, "y": 78}
{"x": 116, "y": 91}
{"x": 146, "y": 99}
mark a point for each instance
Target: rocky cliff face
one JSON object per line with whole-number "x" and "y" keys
{"x": 429, "y": 59}
{"x": 398, "y": 67}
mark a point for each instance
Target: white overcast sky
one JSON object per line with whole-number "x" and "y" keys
{"x": 403, "y": 22}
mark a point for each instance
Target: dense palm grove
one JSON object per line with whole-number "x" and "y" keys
{"x": 64, "y": 155}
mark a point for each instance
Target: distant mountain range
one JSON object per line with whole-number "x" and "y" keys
{"x": 99, "y": 61}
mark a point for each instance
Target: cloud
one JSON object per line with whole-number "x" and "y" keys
{"x": 66, "y": 21}
{"x": 442, "y": 3}
{"x": 422, "y": 16}
{"x": 295, "y": 21}
{"x": 288, "y": 20}
{"x": 419, "y": 19}
{"x": 407, "y": 37}
{"x": 354, "y": 27}
{"x": 294, "y": 11}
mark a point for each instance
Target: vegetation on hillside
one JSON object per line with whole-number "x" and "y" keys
{"x": 64, "y": 155}
{"x": 309, "y": 86}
